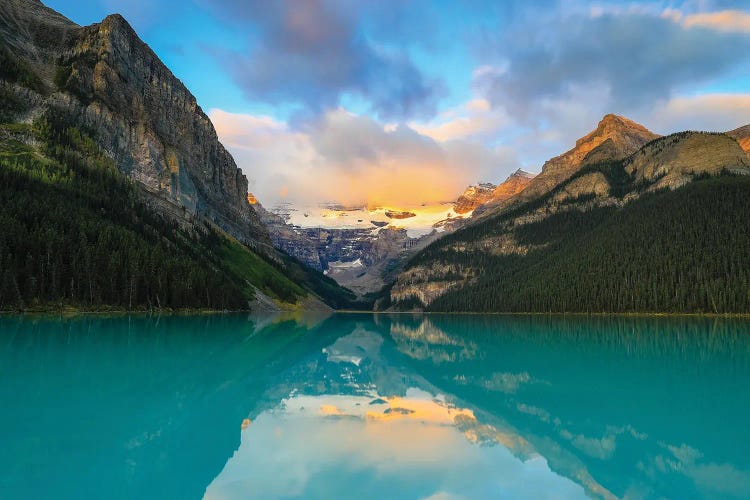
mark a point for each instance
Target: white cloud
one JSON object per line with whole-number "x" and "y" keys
{"x": 711, "y": 112}
{"x": 474, "y": 119}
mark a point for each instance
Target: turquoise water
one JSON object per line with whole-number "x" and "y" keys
{"x": 367, "y": 406}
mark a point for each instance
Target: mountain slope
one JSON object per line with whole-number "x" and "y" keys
{"x": 660, "y": 230}
{"x": 82, "y": 103}
{"x": 742, "y": 136}
{"x": 481, "y": 194}
{"x": 75, "y": 232}
{"x": 105, "y": 79}
{"x": 614, "y": 138}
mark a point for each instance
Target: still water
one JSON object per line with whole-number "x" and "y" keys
{"x": 374, "y": 406}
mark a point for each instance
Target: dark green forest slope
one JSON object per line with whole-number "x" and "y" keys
{"x": 74, "y": 231}
{"x": 686, "y": 250}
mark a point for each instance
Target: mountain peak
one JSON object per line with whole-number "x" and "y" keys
{"x": 742, "y": 136}
{"x": 488, "y": 194}
{"x": 619, "y": 129}
{"x": 614, "y": 138}
{"x": 522, "y": 173}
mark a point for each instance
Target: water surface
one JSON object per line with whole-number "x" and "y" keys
{"x": 401, "y": 406}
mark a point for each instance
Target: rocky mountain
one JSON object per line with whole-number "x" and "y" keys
{"x": 614, "y": 138}
{"x": 366, "y": 259}
{"x": 362, "y": 260}
{"x": 104, "y": 78}
{"x": 474, "y": 196}
{"x": 109, "y": 158}
{"x": 486, "y": 193}
{"x": 656, "y": 220}
{"x": 742, "y": 136}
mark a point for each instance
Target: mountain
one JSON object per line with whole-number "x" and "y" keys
{"x": 107, "y": 156}
{"x": 368, "y": 255}
{"x": 614, "y": 138}
{"x": 361, "y": 259}
{"x": 660, "y": 230}
{"x": 474, "y": 196}
{"x": 485, "y": 193}
{"x": 742, "y": 136}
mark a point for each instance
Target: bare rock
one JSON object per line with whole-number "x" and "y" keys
{"x": 673, "y": 160}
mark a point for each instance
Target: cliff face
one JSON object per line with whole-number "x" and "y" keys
{"x": 742, "y": 136}
{"x": 103, "y": 78}
{"x": 483, "y": 194}
{"x": 474, "y": 196}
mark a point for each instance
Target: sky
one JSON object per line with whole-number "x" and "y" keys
{"x": 399, "y": 102}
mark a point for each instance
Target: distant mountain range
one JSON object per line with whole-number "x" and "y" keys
{"x": 364, "y": 249}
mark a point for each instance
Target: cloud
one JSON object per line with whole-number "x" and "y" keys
{"x": 640, "y": 59}
{"x": 313, "y": 53}
{"x": 355, "y": 160}
{"x": 730, "y": 21}
{"x": 711, "y": 112}
{"x": 475, "y": 119}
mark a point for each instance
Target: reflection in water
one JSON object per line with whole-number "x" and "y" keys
{"x": 389, "y": 406}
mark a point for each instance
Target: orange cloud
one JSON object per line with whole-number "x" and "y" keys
{"x": 355, "y": 160}
{"x": 729, "y": 21}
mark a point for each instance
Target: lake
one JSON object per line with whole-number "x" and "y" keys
{"x": 374, "y": 406}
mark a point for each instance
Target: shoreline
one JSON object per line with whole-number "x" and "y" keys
{"x": 72, "y": 312}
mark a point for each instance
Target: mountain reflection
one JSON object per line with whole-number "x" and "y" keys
{"x": 628, "y": 407}
{"x": 402, "y": 406}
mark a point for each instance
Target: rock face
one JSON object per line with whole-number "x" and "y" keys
{"x": 483, "y": 194}
{"x": 614, "y": 138}
{"x": 473, "y": 197}
{"x": 513, "y": 185}
{"x": 742, "y": 136}
{"x": 674, "y": 160}
{"x": 359, "y": 259}
{"x": 105, "y": 79}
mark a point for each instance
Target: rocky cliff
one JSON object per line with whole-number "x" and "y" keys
{"x": 103, "y": 78}
{"x": 474, "y": 196}
{"x": 363, "y": 260}
{"x": 742, "y": 136}
{"x": 487, "y": 193}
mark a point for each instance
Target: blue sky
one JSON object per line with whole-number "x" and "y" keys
{"x": 358, "y": 92}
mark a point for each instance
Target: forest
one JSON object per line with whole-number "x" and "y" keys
{"x": 75, "y": 232}
{"x": 683, "y": 251}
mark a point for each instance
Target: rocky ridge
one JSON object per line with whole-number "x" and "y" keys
{"x": 742, "y": 136}
{"x": 614, "y": 138}
{"x": 484, "y": 193}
